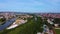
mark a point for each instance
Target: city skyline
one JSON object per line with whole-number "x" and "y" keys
{"x": 30, "y": 6}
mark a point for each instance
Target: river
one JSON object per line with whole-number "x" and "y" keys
{"x": 7, "y": 23}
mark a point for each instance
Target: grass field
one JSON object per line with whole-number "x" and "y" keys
{"x": 57, "y": 31}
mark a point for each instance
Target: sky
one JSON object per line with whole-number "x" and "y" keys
{"x": 31, "y": 6}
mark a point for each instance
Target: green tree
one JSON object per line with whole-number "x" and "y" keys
{"x": 2, "y": 19}
{"x": 39, "y": 24}
{"x": 57, "y": 20}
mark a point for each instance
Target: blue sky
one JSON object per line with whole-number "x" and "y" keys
{"x": 30, "y": 5}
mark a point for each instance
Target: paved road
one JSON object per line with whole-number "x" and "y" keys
{"x": 7, "y": 23}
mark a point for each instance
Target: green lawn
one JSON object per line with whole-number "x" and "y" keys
{"x": 57, "y": 31}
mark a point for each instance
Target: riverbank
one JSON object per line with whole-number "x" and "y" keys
{"x": 17, "y": 23}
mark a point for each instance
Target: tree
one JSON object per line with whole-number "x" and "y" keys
{"x": 57, "y": 20}
{"x": 39, "y": 24}
{"x": 2, "y": 19}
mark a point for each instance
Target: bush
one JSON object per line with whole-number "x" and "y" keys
{"x": 2, "y": 19}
